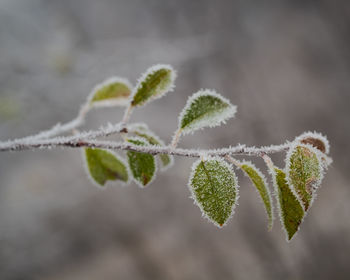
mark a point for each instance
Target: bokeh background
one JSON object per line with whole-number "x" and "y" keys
{"x": 286, "y": 64}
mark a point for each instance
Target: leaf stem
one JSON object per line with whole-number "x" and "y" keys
{"x": 176, "y": 138}
{"x": 232, "y": 160}
{"x": 127, "y": 114}
{"x": 268, "y": 161}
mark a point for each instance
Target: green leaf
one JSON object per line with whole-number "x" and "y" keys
{"x": 104, "y": 165}
{"x": 112, "y": 92}
{"x": 143, "y": 131}
{"x": 290, "y": 210}
{"x": 214, "y": 188}
{"x": 155, "y": 83}
{"x": 259, "y": 181}
{"x": 205, "y": 108}
{"x": 142, "y": 165}
{"x": 304, "y": 172}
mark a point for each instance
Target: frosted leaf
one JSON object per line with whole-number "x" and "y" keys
{"x": 114, "y": 91}
{"x": 104, "y": 165}
{"x": 259, "y": 181}
{"x": 142, "y": 130}
{"x": 155, "y": 83}
{"x": 143, "y": 166}
{"x": 314, "y": 139}
{"x": 304, "y": 172}
{"x": 290, "y": 210}
{"x": 205, "y": 108}
{"x": 214, "y": 188}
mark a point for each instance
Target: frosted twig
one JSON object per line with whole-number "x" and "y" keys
{"x": 86, "y": 139}
{"x": 60, "y": 128}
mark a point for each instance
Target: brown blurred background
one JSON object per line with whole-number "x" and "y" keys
{"x": 286, "y": 64}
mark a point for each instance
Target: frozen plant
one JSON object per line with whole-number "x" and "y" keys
{"x": 213, "y": 182}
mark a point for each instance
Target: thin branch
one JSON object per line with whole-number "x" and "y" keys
{"x": 33, "y": 140}
{"x": 84, "y": 140}
{"x": 61, "y": 128}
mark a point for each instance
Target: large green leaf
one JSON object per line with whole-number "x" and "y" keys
{"x": 290, "y": 210}
{"x": 259, "y": 181}
{"x": 205, "y": 108}
{"x": 214, "y": 187}
{"x": 104, "y": 165}
{"x": 142, "y": 130}
{"x": 142, "y": 165}
{"x": 157, "y": 81}
{"x": 113, "y": 91}
{"x": 304, "y": 172}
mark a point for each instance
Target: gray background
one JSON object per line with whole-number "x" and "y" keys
{"x": 284, "y": 63}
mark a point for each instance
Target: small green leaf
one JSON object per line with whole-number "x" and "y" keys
{"x": 205, "y": 108}
{"x": 142, "y": 165}
{"x": 259, "y": 181}
{"x": 104, "y": 165}
{"x": 112, "y": 92}
{"x": 290, "y": 210}
{"x": 156, "y": 82}
{"x": 214, "y": 188}
{"x": 143, "y": 131}
{"x": 304, "y": 172}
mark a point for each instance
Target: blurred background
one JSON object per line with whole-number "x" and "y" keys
{"x": 286, "y": 64}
